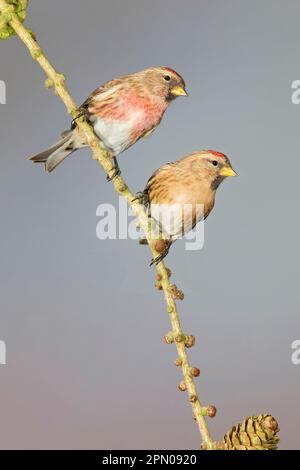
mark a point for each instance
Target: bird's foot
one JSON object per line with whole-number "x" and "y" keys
{"x": 161, "y": 256}
{"x": 142, "y": 197}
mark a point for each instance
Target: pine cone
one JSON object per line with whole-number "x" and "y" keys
{"x": 254, "y": 433}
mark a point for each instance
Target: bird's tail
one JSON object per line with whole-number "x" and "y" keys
{"x": 58, "y": 152}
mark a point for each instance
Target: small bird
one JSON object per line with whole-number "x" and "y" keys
{"x": 181, "y": 194}
{"x": 121, "y": 112}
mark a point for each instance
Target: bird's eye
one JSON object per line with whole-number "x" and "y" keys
{"x": 215, "y": 163}
{"x": 167, "y": 78}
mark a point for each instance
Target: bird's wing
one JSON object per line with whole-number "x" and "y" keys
{"x": 152, "y": 178}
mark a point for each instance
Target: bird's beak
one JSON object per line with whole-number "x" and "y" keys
{"x": 227, "y": 171}
{"x": 178, "y": 91}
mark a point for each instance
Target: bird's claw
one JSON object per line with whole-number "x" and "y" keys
{"x": 116, "y": 172}
{"x": 79, "y": 115}
{"x": 160, "y": 257}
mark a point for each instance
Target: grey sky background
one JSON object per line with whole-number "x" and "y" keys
{"x": 86, "y": 366}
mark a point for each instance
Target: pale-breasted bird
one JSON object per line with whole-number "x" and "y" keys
{"x": 181, "y": 194}
{"x": 121, "y": 112}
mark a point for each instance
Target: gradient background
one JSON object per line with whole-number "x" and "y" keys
{"x": 86, "y": 366}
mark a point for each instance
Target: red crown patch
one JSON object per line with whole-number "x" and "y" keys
{"x": 217, "y": 154}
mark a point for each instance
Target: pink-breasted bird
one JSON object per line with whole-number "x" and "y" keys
{"x": 121, "y": 112}
{"x": 181, "y": 194}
